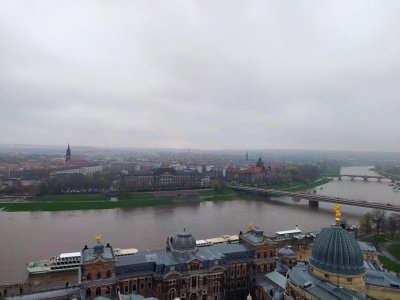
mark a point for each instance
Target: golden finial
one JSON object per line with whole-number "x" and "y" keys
{"x": 249, "y": 227}
{"x": 338, "y": 213}
{"x": 98, "y": 237}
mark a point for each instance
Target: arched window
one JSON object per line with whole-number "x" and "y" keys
{"x": 88, "y": 276}
{"x": 108, "y": 274}
{"x": 88, "y": 292}
{"x": 98, "y": 291}
{"x": 98, "y": 275}
{"x": 204, "y": 280}
{"x": 108, "y": 290}
{"x": 216, "y": 287}
{"x": 171, "y": 294}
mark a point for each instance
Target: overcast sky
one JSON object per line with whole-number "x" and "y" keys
{"x": 201, "y": 74}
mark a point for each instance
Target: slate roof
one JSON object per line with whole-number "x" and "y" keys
{"x": 255, "y": 236}
{"x": 183, "y": 241}
{"x": 320, "y": 289}
{"x": 383, "y": 279}
{"x": 162, "y": 263}
{"x": 335, "y": 250}
{"x": 91, "y": 253}
{"x": 272, "y": 283}
{"x": 366, "y": 247}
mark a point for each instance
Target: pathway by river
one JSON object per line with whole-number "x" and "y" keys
{"x": 27, "y": 236}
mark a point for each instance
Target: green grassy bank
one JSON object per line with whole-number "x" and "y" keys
{"x": 386, "y": 174}
{"x": 299, "y": 186}
{"x": 389, "y": 264}
{"x": 394, "y": 249}
{"x": 130, "y": 200}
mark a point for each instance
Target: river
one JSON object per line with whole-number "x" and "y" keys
{"x": 27, "y": 236}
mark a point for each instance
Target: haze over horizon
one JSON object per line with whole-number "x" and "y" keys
{"x": 186, "y": 74}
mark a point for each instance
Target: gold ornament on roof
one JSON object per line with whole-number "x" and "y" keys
{"x": 338, "y": 213}
{"x": 249, "y": 227}
{"x": 98, "y": 237}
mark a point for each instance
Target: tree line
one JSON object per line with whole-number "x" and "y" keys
{"x": 378, "y": 221}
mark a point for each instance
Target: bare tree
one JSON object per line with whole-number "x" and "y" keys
{"x": 366, "y": 223}
{"x": 379, "y": 219}
{"x": 394, "y": 222}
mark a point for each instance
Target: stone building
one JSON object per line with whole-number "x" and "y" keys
{"x": 161, "y": 179}
{"x": 337, "y": 270}
{"x": 183, "y": 270}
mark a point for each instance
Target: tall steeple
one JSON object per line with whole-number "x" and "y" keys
{"x": 247, "y": 155}
{"x": 68, "y": 154}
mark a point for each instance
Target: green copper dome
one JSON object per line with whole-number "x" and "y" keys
{"x": 336, "y": 251}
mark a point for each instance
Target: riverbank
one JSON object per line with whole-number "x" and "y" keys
{"x": 386, "y": 174}
{"x": 65, "y": 202}
{"x": 129, "y": 200}
{"x": 300, "y": 186}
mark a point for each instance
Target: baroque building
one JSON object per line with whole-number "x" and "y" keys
{"x": 183, "y": 270}
{"x": 161, "y": 179}
{"x": 257, "y": 174}
{"x": 337, "y": 270}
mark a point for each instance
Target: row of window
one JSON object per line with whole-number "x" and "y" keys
{"x": 172, "y": 294}
{"x": 264, "y": 254}
{"x": 98, "y": 291}
{"x": 98, "y": 275}
{"x": 243, "y": 273}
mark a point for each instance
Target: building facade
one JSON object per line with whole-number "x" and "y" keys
{"x": 183, "y": 270}
{"x": 162, "y": 179}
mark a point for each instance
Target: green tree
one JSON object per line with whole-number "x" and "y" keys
{"x": 218, "y": 185}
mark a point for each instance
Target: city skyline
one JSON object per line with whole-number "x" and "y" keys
{"x": 267, "y": 75}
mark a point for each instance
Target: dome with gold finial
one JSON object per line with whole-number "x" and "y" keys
{"x": 337, "y": 251}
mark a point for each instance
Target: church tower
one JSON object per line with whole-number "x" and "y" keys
{"x": 68, "y": 154}
{"x": 247, "y": 155}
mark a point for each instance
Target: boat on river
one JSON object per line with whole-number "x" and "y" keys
{"x": 67, "y": 261}
{"x": 225, "y": 239}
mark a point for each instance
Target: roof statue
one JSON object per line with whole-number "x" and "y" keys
{"x": 338, "y": 213}
{"x": 249, "y": 227}
{"x": 98, "y": 237}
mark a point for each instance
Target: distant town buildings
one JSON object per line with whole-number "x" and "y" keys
{"x": 83, "y": 170}
{"x": 163, "y": 179}
{"x": 257, "y": 174}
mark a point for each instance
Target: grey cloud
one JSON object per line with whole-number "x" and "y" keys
{"x": 265, "y": 74}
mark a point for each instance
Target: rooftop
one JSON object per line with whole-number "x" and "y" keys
{"x": 299, "y": 275}
{"x": 165, "y": 262}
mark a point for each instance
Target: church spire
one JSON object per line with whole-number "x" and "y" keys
{"x": 247, "y": 155}
{"x": 68, "y": 154}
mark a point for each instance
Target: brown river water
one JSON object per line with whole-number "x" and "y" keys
{"x": 27, "y": 236}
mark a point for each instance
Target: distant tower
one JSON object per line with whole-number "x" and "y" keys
{"x": 247, "y": 155}
{"x": 260, "y": 163}
{"x": 68, "y": 154}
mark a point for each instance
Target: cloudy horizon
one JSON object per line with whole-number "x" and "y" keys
{"x": 201, "y": 74}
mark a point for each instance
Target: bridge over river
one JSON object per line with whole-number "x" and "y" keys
{"x": 364, "y": 177}
{"x": 315, "y": 199}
